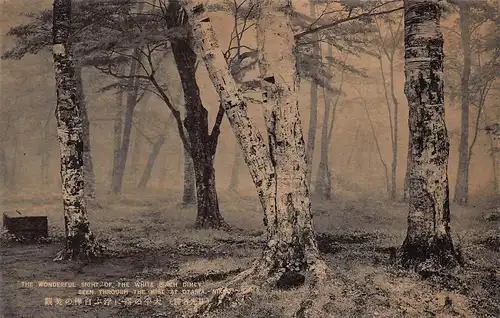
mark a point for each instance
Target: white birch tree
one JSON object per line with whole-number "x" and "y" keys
{"x": 80, "y": 242}
{"x": 428, "y": 245}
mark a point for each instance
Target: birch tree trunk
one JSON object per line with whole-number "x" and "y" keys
{"x": 462, "y": 185}
{"x": 255, "y": 151}
{"x": 406, "y": 195}
{"x": 80, "y": 242}
{"x": 117, "y": 133}
{"x": 202, "y": 145}
{"x": 146, "y": 175}
{"x": 313, "y": 110}
{"x": 428, "y": 245}
{"x": 88, "y": 168}
{"x": 291, "y": 241}
{"x": 278, "y": 172}
{"x": 394, "y": 163}
{"x": 393, "y": 116}
{"x": 189, "y": 180}
{"x": 324, "y": 177}
{"x": 136, "y": 156}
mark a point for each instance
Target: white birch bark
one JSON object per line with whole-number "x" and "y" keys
{"x": 279, "y": 173}
{"x": 255, "y": 152}
{"x": 291, "y": 236}
{"x": 80, "y": 242}
{"x": 428, "y": 242}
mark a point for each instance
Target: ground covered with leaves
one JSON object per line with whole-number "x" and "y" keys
{"x": 151, "y": 237}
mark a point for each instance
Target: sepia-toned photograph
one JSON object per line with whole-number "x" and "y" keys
{"x": 249, "y": 158}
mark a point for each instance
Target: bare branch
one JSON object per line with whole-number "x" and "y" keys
{"x": 370, "y": 13}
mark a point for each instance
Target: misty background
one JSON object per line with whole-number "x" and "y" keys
{"x": 28, "y": 128}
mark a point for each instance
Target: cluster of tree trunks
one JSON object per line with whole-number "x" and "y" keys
{"x": 324, "y": 177}
{"x": 389, "y": 53}
{"x": 279, "y": 169}
{"x": 123, "y": 138}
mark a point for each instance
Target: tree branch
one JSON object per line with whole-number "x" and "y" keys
{"x": 214, "y": 135}
{"x": 363, "y": 15}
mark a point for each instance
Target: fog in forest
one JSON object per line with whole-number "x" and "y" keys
{"x": 355, "y": 96}
{"x": 28, "y": 101}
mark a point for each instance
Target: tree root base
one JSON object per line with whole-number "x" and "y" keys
{"x": 260, "y": 277}
{"x": 222, "y": 225}
{"x": 429, "y": 259}
{"x": 89, "y": 252}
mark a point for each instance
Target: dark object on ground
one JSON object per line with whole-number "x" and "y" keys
{"x": 26, "y": 227}
{"x": 492, "y": 217}
{"x": 289, "y": 280}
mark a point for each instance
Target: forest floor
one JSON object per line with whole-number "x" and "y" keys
{"x": 153, "y": 239}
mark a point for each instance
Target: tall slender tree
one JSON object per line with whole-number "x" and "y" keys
{"x": 388, "y": 46}
{"x": 471, "y": 71}
{"x": 324, "y": 177}
{"x": 117, "y": 132}
{"x": 462, "y": 186}
{"x": 146, "y": 175}
{"x": 80, "y": 242}
{"x": 406, "y": 191}
{"x": 313, "y": 109}
{"x": 494, "y": 151}
{"x": 428, "y": 245}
